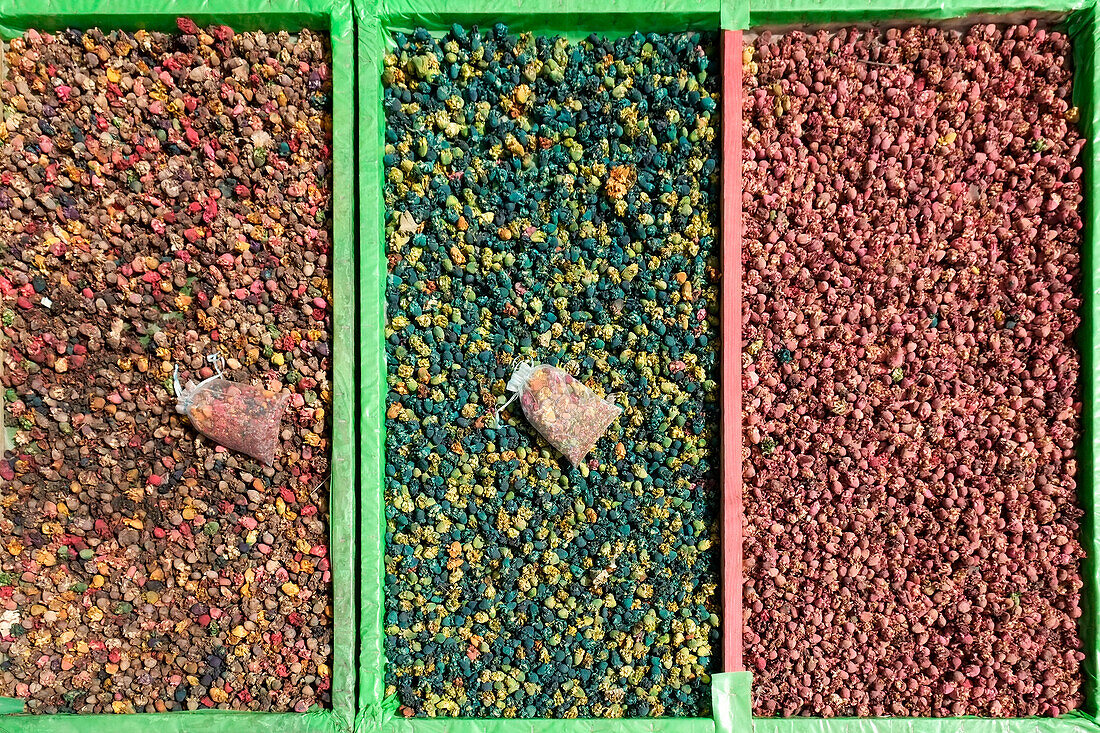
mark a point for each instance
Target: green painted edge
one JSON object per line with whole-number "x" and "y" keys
{"x": 334, "y": 17}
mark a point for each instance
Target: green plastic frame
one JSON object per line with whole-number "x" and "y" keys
{"x": 376, "y": 20}
{"x": 335, "y": 18}
{"x": 731, "y": 692}
{"x": 1082, "y": 21}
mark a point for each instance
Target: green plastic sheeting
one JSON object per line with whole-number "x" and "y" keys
{"x": 198, "y": 721}
{"x": 335, "y": 18}
{"x": 819, "y": 12}
{"x": 1072, "y": 723}
{"x": 571, "y": 18}
{"x": 731, "y": 701}
{"x": 376, "y": 22}
{"x": 372, "y": 368}
{"x": 544, "y": 725}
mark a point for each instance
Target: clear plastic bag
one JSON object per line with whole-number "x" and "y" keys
{"x": 241, "y": 417}
{"x": 566, "y": 412}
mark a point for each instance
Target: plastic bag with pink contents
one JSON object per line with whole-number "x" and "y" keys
{"x": 241, "y": 417}
{"x": 566, "y": 412}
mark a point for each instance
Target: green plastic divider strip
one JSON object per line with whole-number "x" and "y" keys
{"x": 1084, "y": 28}
{"x": 335, "y": 18}
{"x": 10, "y": 705}
{"x": 819, "y": 12}
{"x": 372, "y": 370}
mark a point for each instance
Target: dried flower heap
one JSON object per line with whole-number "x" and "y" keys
{"x": 911, "y": 413}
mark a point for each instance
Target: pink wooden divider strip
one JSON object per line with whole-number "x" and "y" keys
{"x": 731, "y": 353}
